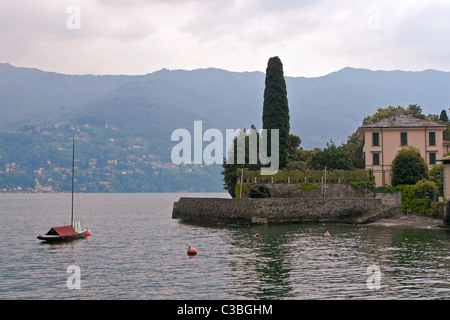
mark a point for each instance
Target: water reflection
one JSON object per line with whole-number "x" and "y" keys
{"x": 259, "y": 264}
{"x": 300, "y": 262}
{"x": 138, "y": 252}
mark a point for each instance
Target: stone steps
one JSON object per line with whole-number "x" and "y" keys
{"x": 374, "y": 214}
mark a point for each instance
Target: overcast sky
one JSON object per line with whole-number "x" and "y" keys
{"x": 312, "y": 38}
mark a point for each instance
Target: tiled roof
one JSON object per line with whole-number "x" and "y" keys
{"x": 403, "y": 121}
{"x": 444, "y": 159}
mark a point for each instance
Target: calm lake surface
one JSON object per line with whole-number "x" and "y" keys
{"x": 137, "y": 251}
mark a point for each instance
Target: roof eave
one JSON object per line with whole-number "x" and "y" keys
{"x": 403, "y": 127}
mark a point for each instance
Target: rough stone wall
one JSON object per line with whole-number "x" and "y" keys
{"x": 389, "y": 199}
{"x": 261, "y": 211}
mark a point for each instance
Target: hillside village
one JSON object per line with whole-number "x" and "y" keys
{"x": 122, "y": 124}
{"x": 38, "y": 159}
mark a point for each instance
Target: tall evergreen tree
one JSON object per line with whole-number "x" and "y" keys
{"x": 443, "y": 116}
{"x": 275, "y": 107}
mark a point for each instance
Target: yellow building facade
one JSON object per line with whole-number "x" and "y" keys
{"x": 385, "y": 138}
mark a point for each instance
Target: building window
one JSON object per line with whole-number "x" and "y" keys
{"x": 403, "y": 139}
{"x": 432, "y": 138}
{"x": 376, "y": 159}
{"x": 375, "y": 139}
{"x": 432, "y": 158}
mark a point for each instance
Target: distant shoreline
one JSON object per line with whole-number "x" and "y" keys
{"x": 89, "y": 192}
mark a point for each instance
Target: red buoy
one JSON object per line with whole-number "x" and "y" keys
{"x": 191, "y": 251}
{"x": 327, "y": 233}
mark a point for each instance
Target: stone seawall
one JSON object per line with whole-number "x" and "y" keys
{"x": 268, "y": 211}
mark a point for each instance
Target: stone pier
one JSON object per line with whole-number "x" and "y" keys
{"x": 272, "y": 211}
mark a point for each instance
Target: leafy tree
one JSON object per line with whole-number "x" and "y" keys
{"x": 354, "y": 147}
{"x": 408, "y": 166}
{"x": 425, "y": 188}
{"x": 230, "y": 171}
{"x": 296, "y": 165}
{"x": 416, "y": 111}
{"x": 294, "y": 151}
{"x": 447, "y": 132}
{"x": 333, "y": 157}
{"x": 437, "y": 176}
{"x": 382, "y": 113}
{"x": 275, "y": 108}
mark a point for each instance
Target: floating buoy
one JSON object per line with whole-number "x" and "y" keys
{"x": 88, "y": 233}
{"x": 191, "y": 251}
{"x": 327, "y": 233}
{"x": 257, "y": 235}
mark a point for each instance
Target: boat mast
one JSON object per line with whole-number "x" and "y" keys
{"x": 73, "y": 174}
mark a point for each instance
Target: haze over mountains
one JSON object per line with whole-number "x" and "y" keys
{"x": 126, "y": 121}
{"x": 322, "y": 108}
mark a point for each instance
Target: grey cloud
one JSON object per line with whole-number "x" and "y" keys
{"x": 221, "y": 32}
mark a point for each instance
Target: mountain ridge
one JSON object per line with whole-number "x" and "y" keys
{"x": 123, "y": 123}
{"x": 33, "y": 96}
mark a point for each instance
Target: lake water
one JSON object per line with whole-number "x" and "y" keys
{"x": 136, "y": 251}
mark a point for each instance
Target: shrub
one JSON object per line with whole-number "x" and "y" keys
{"x": 384, "y": 189}
{"x": 408, "y": 166}
{"x": 307, "y": 187}
{"x": 416, "y": 197}
{"x": 425, "y": 188}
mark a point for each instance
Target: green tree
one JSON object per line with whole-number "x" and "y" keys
{"x": 443, "y": 117}
{"x": 425, "y": 188}
{"x": 354, "y": 147}
{"x": 294, "y": 151}
{"x": 382, "y": 113}
{"x": 408, "y": 166}
{"x": 416, "y": 111}
{"x": 333, "y": 157}
{"x": 230, "y": 171}
{"x": 275, "y": 108}
{"x": 437, "y": 176}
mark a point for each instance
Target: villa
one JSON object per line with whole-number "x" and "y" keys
{"x": 385, "y": 138}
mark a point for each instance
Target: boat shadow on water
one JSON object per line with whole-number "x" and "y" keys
{"x": 59, "y": 242}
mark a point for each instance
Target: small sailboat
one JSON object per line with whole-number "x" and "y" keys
{"x": 72, "y": 231}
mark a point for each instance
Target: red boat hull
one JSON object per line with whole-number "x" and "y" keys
{"x": 54, "y": 235}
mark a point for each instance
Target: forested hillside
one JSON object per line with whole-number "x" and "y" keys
{"x": 123, "y": 124}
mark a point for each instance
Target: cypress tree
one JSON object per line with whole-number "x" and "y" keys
{"x": 275, "y": 107}
{"x": 443, "y": 116}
